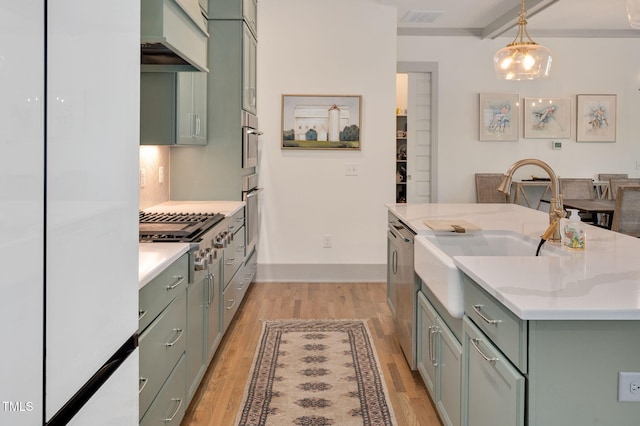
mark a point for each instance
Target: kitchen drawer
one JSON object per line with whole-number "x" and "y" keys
{"x": 170, "y": 405}
{"x": 503, "y": 327}
{"x": 237, "y": 221}
{"x": 233, "y": 255}
{"x": 161, "y": 346}
{"x": 158, "y": 293}
{"x": 251, "y": 267}
{"x": 232, "y": 298}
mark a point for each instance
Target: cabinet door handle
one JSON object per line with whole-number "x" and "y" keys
{"x": 179, "y": 331}
{"x": 433, "y": 331}
{"x": 141, "y": 314}
{"x": 394, "y": 262}
{"x": 211, "y": 288}
{"x": 478, "y": 309}
{"x": 490, "y": 360}
{"x": 175, "y": 413}
{"x": 233, "y": 303}
{"x": 141, "y": 384}
{"x": 179, "y": 279}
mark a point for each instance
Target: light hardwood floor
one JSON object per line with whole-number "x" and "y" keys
{"x": 220, "y": 394}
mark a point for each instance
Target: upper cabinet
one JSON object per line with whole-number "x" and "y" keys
{"x": 173, "y": 108}
{"x": 236, "y": 9}
{"x": 249, "y": 55}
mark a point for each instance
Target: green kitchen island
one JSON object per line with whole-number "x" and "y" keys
{"x": 537, "y": 340}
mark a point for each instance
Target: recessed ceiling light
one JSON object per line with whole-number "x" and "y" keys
{"x": 422, "y": 16}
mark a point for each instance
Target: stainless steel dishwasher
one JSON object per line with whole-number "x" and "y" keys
{"x": 402, "y": 285}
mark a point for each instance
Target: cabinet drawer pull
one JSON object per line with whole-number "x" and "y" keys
{"x": 179, "y": 331}
{"x": 231, "y": 260}
{"x": 141, "y": 384}
{"x": 478, "y": 309}
{"x": 233, "y": 303}
{"x": 141, "y": 314}
{"x": 179, "y": 280}
{"x": 491, "y": 361}
{"x": 175, "y": 413}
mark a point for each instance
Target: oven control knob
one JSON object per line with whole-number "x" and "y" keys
{"x": 200, "y": 263}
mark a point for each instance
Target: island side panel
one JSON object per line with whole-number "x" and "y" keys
{"x": 573, "y": 372}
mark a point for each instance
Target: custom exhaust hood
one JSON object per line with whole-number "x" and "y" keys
{"x": 173, "y": 36}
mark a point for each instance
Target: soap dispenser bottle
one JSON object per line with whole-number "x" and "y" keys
{"x": 572, "y": 231}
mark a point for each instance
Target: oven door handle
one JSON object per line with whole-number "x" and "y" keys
{"x": 254, "y": 132}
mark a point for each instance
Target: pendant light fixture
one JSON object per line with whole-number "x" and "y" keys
{"x": 633, "y": 13}
{"x": 522, "y": 59}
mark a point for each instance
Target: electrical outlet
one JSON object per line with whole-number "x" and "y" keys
{"x": 351, "y": 170}
{"x": 327, "y": 241}
{"x": 160, "y": 174}
{"x": 628, "y": 386}
{"x": 638, "y": 165}
{"x": 143, "y": 178}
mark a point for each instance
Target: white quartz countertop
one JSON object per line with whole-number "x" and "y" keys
{"x": 155, "y": 257}
{"x": 601, "y": 282}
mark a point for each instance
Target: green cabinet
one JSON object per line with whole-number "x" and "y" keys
{"x": 173, "y": 108}
{"x": 203, "y": 323}
{"x": 565, "y": 372}
{"x": 493, "y": 388}
{"x": 196, "y": 323}
{"x": 246, "y": 10}
{"x": 439, "y": 361}
{"x": 249, "y": 70}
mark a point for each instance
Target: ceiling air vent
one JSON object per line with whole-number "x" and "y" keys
{"x": 422, "y": 16}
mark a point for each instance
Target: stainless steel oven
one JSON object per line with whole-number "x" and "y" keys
{"x": 250, "y": 135}
{"x": 251, "y": 196}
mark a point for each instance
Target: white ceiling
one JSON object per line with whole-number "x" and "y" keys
{"x": 558, "y": 18}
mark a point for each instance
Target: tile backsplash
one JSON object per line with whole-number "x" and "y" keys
{"x": 155, "y": 190}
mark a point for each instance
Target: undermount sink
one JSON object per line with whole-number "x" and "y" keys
{"x": 433, "y": 259}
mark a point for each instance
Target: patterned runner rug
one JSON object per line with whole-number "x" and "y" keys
{"x": 316, "y": 372}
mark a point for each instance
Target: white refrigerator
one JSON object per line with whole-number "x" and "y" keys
{"x": 69, "y": 126}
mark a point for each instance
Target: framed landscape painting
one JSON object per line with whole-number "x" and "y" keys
{"x": 547, "y": 118}
{"x": 499, "y": 116}
{"x": 596, "y": 118}
{"x": 321, "y": 122}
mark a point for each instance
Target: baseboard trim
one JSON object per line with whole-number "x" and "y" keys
{"x": 321, "y": 273}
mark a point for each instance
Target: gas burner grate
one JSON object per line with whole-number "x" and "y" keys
{"x": 175, "y": 227}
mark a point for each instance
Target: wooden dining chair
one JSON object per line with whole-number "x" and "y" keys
{"x": 605, "y": 177}
{"x": 487, "y": 188}
{"x": 615, "y": 183}
{"x": 626, "y": 215}
{"x": 578, "y": 189}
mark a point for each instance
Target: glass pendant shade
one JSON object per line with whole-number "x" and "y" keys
{"x": 526, "y": 61}
{"x": 522, "y": 59}
{"x": 633, "y": 13}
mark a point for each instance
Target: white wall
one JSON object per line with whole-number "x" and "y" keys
{"x": 338, "y": 47}
{"x": 580, "y": 66}
{"x": 326, "y": 47}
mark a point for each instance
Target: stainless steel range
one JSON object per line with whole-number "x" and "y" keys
{"x": 207, "y": 234}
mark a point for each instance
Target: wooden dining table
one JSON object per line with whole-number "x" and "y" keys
{"x": 594, "y": 206}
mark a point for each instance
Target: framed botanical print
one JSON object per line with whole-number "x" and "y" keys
{"x": 499, "y": 116}
{"x": 547, "y": 118}
{"x": 596, "y": 118}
